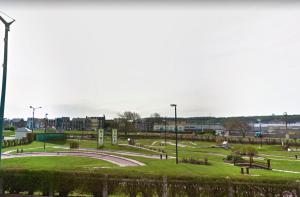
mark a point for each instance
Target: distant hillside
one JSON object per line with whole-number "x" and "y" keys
{"x": 249, "y": 119}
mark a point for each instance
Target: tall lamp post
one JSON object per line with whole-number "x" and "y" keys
{"x": 165, "y": 121}
{"x": 260, "y": 132}
{"x": 46, "y": 125}
{"x": 4, "y": 75}
{"x": 33, "y": 110}
{"x": 176, "y": 131}
{"x": 285, "y": 118}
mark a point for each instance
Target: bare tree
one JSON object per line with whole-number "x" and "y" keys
{"x": 127, "y": 120}
{"x": 237, "y": 125}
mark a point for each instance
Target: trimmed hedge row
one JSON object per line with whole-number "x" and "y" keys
{"x": 16, "y": 181}
{"x": 10, "y": 143}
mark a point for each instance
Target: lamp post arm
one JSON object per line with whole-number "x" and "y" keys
{"x": 4, "y": 75}
{"x": 7, "y": 24}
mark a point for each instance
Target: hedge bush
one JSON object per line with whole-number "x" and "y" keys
{"x": 10, "y": 143}
{"x": 74, "y": 145}
{"x": 195, "y": 161}
{"x": 28, "y": 181}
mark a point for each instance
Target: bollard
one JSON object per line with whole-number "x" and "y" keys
{"x": 247, "y": 170}
{"x": 205, "y": 161}
{"x": 242, "y": 170}
{"x": 269, "y": 163}
{"x": 160, "y": 156}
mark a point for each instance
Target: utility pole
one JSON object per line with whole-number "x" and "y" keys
{"x": 286, "y": 121}
{"x": 4, "y": 76}
{"x": 260, "y": 132}
{"x": 165, "y": 131}
{"x": 176, "y": 131}
{"x": 33, "y": 110}
{"x": 46, "y": 125}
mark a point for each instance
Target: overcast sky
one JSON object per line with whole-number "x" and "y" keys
{"x": 212, "y": 60}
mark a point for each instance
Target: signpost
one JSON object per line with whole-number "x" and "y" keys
{"x": 100, "y": 137}
{"x": 114, "y": 137}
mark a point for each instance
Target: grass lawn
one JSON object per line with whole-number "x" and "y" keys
{"x": 280, "y": 159}
{"x": 8, "y": 133}
{"x": 56, "y": 163}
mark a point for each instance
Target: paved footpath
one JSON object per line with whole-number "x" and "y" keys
{"x": 120, "y": 161}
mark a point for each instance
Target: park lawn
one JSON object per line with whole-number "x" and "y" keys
{"x": 280, "y": 159}
{"x": 108, "y": 146}
{"x": 31, "y": 145}
{"x": 216, "y": 169}
{"x": 62, "y": 145}
{"x": 8, "y": 133}
{"x": 56, "y": 163}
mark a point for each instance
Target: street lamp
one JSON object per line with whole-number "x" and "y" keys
{"x": 4, "y": 74}
{"x": 286, "y": 132}
{"x": 33, "y": 109}
{"x": 176, "y": 131}
{"x": 165, "y": 121}
{"x": 46, "y": 125}
{"x": 260, "y": 132}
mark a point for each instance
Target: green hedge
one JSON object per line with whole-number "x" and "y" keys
{"x": 16, "y": 181}
{"x": 10, "y": 143}
{"x": 74, "y": 144}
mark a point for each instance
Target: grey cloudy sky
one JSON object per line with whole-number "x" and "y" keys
{"x": 212, "y": 60}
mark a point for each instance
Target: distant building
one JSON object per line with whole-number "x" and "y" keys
{"x": 184, "y": 126}
{"x": 22, "y": 133}
{"x": 51, "y": 123}
{"x": 18, "y": 122}
{"x": 94, "y": 123}
{"x": 162, "y": 127}
{"x": 6, "y": 123}
{"x": 204, "y": 127}
{"x": 78, "y": 124}
{"x": 63, "y": 123}
{"x": 278, "y": 130}
{"x": 38, "y": 123}
{"x": 144, "y": 125}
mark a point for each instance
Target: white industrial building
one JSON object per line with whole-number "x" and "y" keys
{"x": 22, "y": 133}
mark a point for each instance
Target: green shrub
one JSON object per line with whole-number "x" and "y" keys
{"x": 31, "y": 137}
{"x": 234, "y": 158}
{"x": 64, "y": 182}
{"x": 11, "y": 128}
{"x": 195, "y": 161}
{"x": 74, "y": 145}
{"x": 244, "y": 150}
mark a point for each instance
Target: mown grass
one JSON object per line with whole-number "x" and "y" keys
{"x": 280, "y": 159}
{"x": 55, "y": 163}
{"x": 8, "y": 133}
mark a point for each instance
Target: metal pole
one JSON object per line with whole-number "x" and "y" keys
{"x": 176, "y": 130}
{"x": 165, "y": 131}
{"x": 33, "y": 119}
{"x": 33, "y": 110}
{"x": 260, "y": 134}
{"x": 46, "y": 124}
{"x": 286, "y": 129}
{"x": 286, "y": 132}
{"x": 4, "y": 76}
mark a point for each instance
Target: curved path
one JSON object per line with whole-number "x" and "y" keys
{"x": 120, "y": 161}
